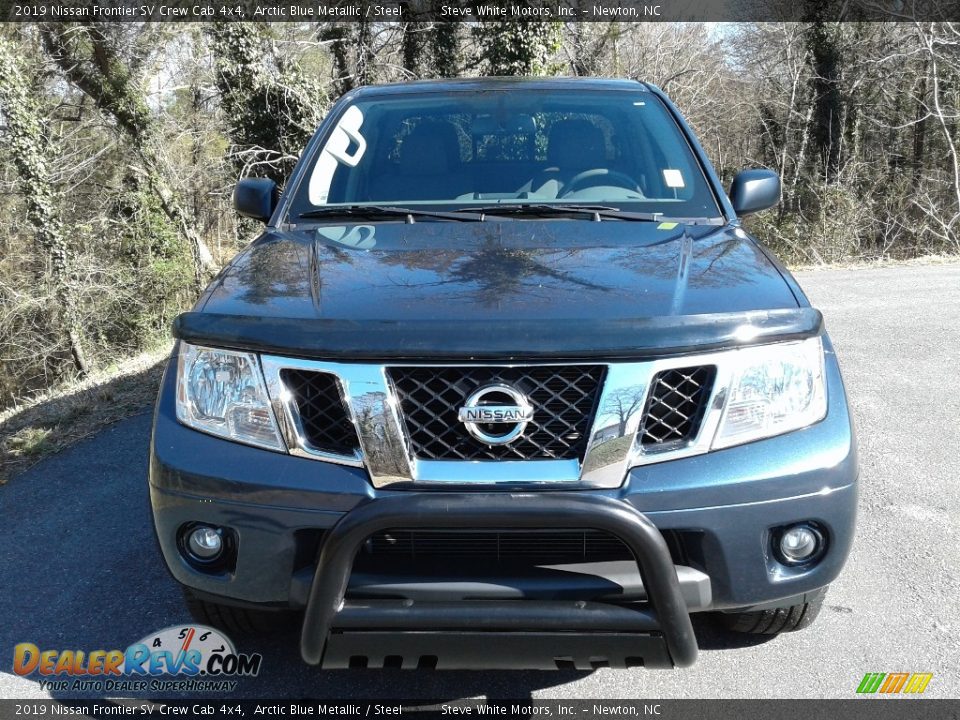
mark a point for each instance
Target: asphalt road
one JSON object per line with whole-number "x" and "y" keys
{"x": 78, "y": 568}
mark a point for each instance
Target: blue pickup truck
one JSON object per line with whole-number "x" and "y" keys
{"x": 504, "y": 383}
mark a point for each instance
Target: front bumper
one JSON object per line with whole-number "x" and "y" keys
{"x": 726, "y": 503}
{"x": 658, "y": 634}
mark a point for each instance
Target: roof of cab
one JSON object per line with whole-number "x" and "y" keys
{"x": 500, "y": 83}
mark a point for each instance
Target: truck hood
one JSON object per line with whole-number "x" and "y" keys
{"x": 556, "y": 270}
{"x": 507, "y": 290}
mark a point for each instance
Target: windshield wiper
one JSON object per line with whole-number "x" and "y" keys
{"x": 596, "y": 212}
{"x": 479, "y": 214}
{"x": 373, "y": 212}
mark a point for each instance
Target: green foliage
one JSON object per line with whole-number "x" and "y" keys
{"x": 269, "y": 116}
{"x": 98, "y": 65}
{"x": 29, "y": 140}
{"x": 518, "y": 48}
{"x": 155, "y": 279}
{"x": 27, "y": 143}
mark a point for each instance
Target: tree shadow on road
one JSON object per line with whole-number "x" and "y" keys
{"x": 60, "y": 418}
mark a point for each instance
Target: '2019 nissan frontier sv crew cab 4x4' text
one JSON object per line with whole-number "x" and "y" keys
{"x": 504, "y": 383}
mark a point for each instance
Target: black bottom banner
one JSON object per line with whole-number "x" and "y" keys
{"x": 863, "y": 708}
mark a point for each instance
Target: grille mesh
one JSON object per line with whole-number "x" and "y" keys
{"x": 563, "y": 400}
{"x": 675, "y": 406}
{"x": 323, "y": 415}
{"x": 539, "y": 546}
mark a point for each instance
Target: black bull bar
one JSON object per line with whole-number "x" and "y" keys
{"x": 503, "y": 633}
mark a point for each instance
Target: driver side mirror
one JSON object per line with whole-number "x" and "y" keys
{"x": 754, "y": 190}
{"x": 255, "y": 198}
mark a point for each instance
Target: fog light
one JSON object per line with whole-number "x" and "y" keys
{"x": 205, "y": 543}
{"x": 800, "y": 544}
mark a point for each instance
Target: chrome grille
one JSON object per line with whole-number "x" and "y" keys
{"x": 563, "y": 399}
{"x": 675, "y": 406}
{"x": 323, "y": 415}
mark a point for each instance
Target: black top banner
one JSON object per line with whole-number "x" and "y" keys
{"x": 480, "y": 10}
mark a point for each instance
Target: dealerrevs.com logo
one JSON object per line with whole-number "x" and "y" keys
{"x": 204, "y": 659}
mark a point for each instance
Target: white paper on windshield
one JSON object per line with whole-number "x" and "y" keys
{"x": 673, "y": 178}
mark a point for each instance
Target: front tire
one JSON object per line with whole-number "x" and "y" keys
{"x": 776, "y": 620}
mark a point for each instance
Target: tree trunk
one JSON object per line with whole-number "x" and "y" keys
{"x": 28, "y": 146}
{"x": 337, "y": 35}
{"x": 445, "y": 41}
{"x": 920, "y": 125}
{"x": 827, "y": 126}
{"x": 364, "y": 48}
{"x": 414, "y": 43}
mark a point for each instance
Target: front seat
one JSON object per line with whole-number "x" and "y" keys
{"x": 572, "y": 147}
{"x": 428, "y": 166}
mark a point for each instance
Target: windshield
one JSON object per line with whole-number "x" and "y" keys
{"x": 456, "y": 151}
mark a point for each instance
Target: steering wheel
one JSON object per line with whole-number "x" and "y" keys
{"x": 599, "y": 176}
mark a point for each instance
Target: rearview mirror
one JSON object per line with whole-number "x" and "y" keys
{"x": 516, "y": 124}
{"x": 754, "y": 190}
{"x": 255, "y": 198}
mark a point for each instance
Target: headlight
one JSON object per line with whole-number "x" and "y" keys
{"x": 774, "y": 389}
{"x": 222, "y": 392}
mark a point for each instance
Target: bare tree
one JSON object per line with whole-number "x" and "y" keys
{"x": 90, "y": 56}
{"x": 623, "y": 404}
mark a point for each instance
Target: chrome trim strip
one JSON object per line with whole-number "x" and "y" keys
{"x": 615, "y": 424}
{"x": 376, "y": 416}
{"x": 610, "y": 455}
{"x": 500, "y": 472}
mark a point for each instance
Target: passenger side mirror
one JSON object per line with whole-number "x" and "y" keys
{"x": 255, "y": 198}
{"x": 754, "y": 190}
